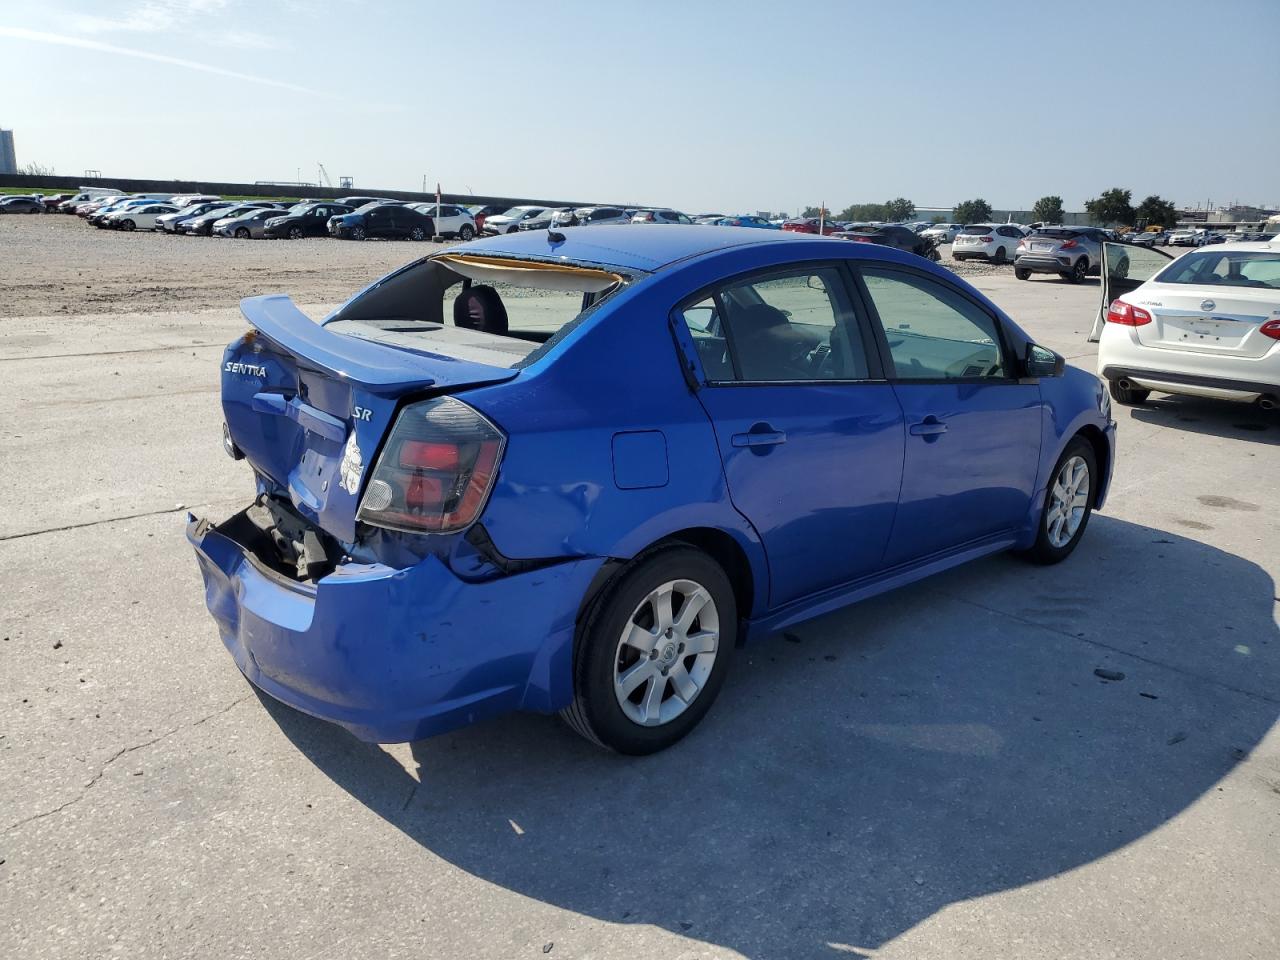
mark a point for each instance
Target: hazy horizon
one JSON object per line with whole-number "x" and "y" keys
{"x": 715, "y": 106}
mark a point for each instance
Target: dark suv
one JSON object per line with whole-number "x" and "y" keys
{"x": 389, "y": 220}
{"x": 304, "y": 220}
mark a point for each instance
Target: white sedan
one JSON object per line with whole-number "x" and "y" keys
{"x": 1205, "y": 324}
{"x": 141, "y": 217}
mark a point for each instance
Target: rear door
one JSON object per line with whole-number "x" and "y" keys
{"x": 1125, "y": 268}
{"x": 809, "y": 432}
{"x": 973, "y": 426}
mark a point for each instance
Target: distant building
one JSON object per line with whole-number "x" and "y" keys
{"x": 8, "y": 159}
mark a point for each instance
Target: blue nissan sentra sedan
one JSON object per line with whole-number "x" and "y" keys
{"x": 572, "y": 471}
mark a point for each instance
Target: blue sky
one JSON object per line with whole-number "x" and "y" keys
{"x": 702, "y": 105}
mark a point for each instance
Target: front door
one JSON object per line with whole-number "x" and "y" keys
{"x": 1125, "y": 268}
{"x": 809, "y": 432}
{"x": 973, "y": 427}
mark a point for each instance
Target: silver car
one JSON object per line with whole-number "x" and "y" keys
{"x": 590, "y": 217}
{"x": 247, "y": 226}
{"x": 1073, "y": 253}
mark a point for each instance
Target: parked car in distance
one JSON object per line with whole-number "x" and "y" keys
{"x": 391, "y": 221}
{"x": 590, "y": 217}
{"x": 450, "y": 220}
{"x": 500, "y": 534}
{"x": 246, "y": 226}
{"x": 660, "y": 215}
{"x": 543, "y": 220}
{"x": 303, "y": 220}
{"x": 1205, "y": 324}
{"x": 168, "y": 223}
{"x": 21, "y": 205}
{"x": 53, "y": 201}
{"x": 513, "y": 219}
{"x": 743, "y": 220}
{"x": 896, "y": 236}
{"x": 143, "y": 216}
{"x": 191, "y": 199}
{"x": 1072, "y": 253}
{"x": 202, "y": 225}
{"x": 1186, "y": 238}
{"x": 86, "y": 196}
{"x": 356, "y": 202}
{"x": 943, "y": 232}
{"x": 481, "y": 212}
{"x": 810, "y": 225}
{"x": 996, "y": 242}
{"x": 103, "y": 218}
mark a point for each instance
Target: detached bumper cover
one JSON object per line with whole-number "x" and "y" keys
{"x": 396, "y": 655}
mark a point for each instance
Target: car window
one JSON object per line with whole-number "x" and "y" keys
{"x": 1242, "y": 268}
{"x": 933, "y": 332}
{"x": 976, "y": 230}
{"x": 796, "y": 326}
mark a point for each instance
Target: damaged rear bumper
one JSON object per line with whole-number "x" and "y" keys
{"x": 390, "y": 654}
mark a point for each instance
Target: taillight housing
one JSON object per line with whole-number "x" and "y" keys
{"x": 1271, "y": 329}
{"x": 436, "y": 471}
{"x": 1069, "y": 245}
{"x": 1127, "y": 314}
{"x": 987, "y": 239}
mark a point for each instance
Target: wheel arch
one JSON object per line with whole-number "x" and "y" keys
{"x": 1102, "y": 456}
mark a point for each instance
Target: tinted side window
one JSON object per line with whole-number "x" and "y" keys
{"x": 934, "y": 333}
{"x": 783, "y": 327}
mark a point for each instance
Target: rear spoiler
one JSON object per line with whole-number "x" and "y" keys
{"x": 377, "y": 367}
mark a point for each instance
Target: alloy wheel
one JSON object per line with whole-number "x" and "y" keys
{"x": 666, "y": 652}
{"x": 1068, "y": 501}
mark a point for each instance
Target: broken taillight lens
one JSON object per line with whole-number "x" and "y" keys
{"x": 436, "y": 470}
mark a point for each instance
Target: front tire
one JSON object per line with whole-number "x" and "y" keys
{"x": 1131, "y": 397}
{"x": 1068, "y": 504}
{"x": 1079, "y": 270}
{"x": 242, "y": 233}
{"x": 129, "y": 225}
{"x": 295, "y": 233}
{"x": 652, "y": 652}
{"x": 417, "y": 233}
{"x": 357, "y": 233}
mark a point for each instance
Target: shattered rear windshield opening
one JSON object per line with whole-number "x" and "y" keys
{"x": 495, "y": 310}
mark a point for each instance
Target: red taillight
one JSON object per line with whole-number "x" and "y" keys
{"x": 436, "y": 471}
{"x": 1271, "y": 329}
{"x": 860, "y": 239}
{"x": 1127, "y": 314}
{"x": 1069, "y": 245}
{"x": 986, "y": 239}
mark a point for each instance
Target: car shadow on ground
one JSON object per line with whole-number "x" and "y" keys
{"x": 1218, "y": 418}
{"x": 937, "y": 744}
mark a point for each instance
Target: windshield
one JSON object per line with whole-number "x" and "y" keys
{"x": 1231, "y": 268}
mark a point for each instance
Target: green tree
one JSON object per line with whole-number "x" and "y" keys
{"x": 972, "y": 211}
{"x": 899, "y": 210}
{"x": 1047, "y": 210}
{"x": 1157, "y": 212}
{"x": 810, "y": 212}
{"x": 1112, "y": 207}
{"x": 863, "y": 211}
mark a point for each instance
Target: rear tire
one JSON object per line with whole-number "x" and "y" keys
{"x": 1132, "y": 397}
{"x": 1079, "y": 270}
{"x": 1000, "y": 256}
{"x": 1021, "y": 274}
{"x": 673, "y": 687}
{"x": 1068, "y": 504}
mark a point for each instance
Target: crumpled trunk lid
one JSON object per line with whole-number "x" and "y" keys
{"x": 309, "y": 407}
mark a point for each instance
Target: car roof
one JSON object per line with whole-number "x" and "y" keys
{"x": 1251, "y": 246}
{"x": 635, "y": 248}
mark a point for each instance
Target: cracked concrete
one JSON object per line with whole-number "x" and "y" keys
{"x": 935, "y": 773}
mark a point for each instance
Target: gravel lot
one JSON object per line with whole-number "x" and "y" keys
{"x": 935, "y": 773}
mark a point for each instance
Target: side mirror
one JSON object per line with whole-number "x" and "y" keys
{"x": 1043, "y": 362}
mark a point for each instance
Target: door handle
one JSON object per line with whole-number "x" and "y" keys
{"x": 928, "y": 427}
{"x": 759, "y": 438}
